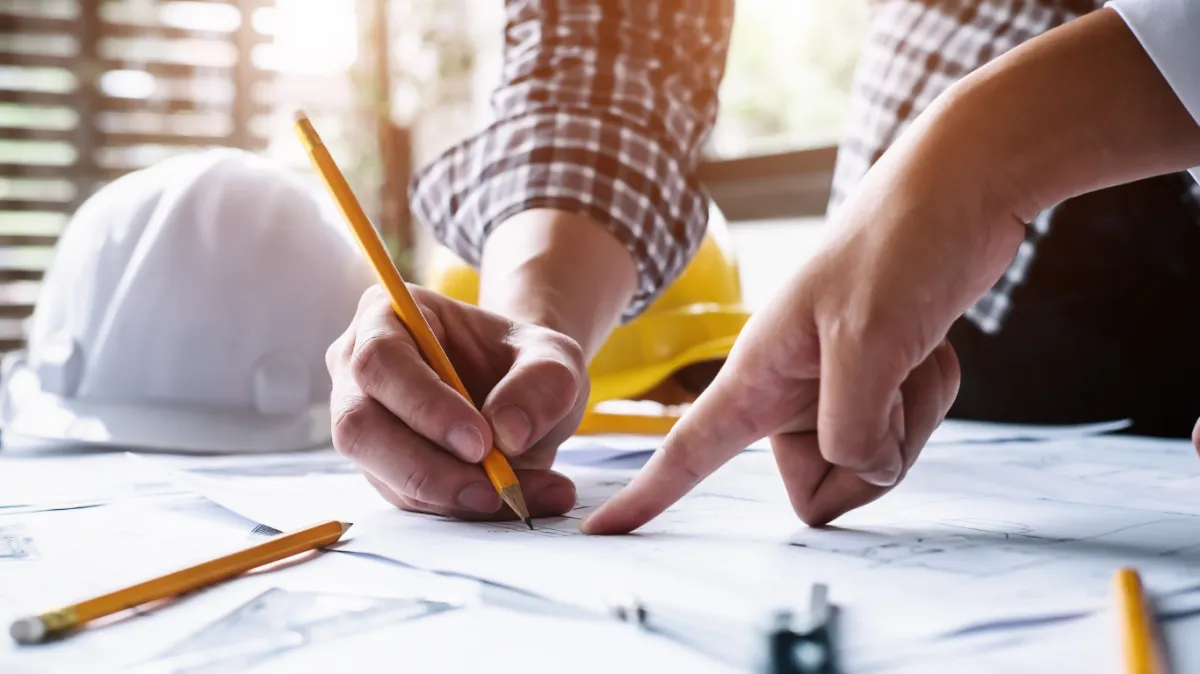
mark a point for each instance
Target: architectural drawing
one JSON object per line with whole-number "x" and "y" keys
{"x": 281, "y": 620}
{"x": 16, "y": 543}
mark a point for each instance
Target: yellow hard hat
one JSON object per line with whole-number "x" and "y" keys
{"x": 674, "y": 347}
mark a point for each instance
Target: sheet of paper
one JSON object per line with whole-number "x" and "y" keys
{"x": 89, "y": 551}
{"x": 265, "y": 488}
{"x": 1089, "y": 643}
{"x": 279, "y": 622}
{"x": 491, "y": 639}
{"x": 952, "y": 431}
{"x": 1013, "y": 542}
{"x": 957, "y": 431}
{"x": 54, "y": 482}
{"x": 85, "y": 552}
{"x": 630, "y": 451}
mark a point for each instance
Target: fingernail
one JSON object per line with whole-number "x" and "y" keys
{"x": 479, "y": 496}
{"x": 467, "y": 442}
{"x": 512, "y": 428}
{"x": 882, "y": 478}
{"x": 585, "y": 526}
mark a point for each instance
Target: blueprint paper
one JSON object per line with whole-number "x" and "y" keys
{"x": 988, "y": 558}
{"x": 491, "y": 639}
{"x": 631, "y": 451}
{"x": 279, "y": 621}
{"x": 268, "y": 489}
{"x": 30, "y": 484}
{"x": 958, "y": 431}
{"x": 87, "y": 552}
{"x": 978, "y": 537}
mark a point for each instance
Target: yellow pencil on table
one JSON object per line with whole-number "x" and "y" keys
{"x": 495, "y": 465}
{"x": 1142, "y": 654}
{"x": 599, "y": 423}
{"x": 38, "y": 628}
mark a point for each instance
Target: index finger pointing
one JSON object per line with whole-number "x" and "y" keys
{"x": 713, "y": 431}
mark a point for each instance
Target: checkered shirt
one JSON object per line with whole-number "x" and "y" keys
{"x": 604, "y": 108}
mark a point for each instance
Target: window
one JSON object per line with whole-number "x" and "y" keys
{"x": 788, "y": 75}
{"x": 91, "y": 90}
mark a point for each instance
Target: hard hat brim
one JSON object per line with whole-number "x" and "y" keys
{"x": 32, "y": 416}
{"x": 628, "y": 384}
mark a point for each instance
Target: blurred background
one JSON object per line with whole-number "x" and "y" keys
{"x": 91, "y": 89}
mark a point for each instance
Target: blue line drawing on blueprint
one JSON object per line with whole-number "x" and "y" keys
{"x": 979, "y": 545}
{"x": 16, "y": 544}
{"x": 281, "y": 620}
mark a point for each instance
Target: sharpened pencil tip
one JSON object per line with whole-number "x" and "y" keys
{"x": 346, "y": 526}
{"x": 529, "y": 523}
{"x": 515, "y": 500}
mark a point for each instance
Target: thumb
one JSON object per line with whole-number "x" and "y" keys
{"x": 547, "y": 382}
{"x": 718, "y": 426}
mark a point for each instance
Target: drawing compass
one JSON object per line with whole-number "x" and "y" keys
{"x": 793, "y": 643}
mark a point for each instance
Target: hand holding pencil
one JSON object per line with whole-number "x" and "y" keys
{"x": 423, "y": 402}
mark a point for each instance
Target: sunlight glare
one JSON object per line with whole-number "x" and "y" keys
{"x": 314, "y": 36}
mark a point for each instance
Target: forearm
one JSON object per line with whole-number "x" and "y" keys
{"x": 558, "y": 270}
{"x": 602, "y": 111}
{"x": 1079, "y": 109}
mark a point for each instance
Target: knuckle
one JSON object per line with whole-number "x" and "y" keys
{"x": 947, "y": 360}
{"x": 350, "y": 422}
{"x": 556, "y": 374}
{"x": 370, "y": 297}
{"x": 419, "y": 292}
{"x": 686, "y": 464}
{"x": 569, "y": 348}
{"x": 551, "y": 385}
{"x": 335, "y": 353}
{"x": 421, "y": 410}
{"x": 417, "y": 484}
{"x": 367, "y": 362}
{"x": 868, "y": 333}
{"x": 742, "y": 421}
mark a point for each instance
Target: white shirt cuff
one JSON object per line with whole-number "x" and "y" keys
{"x": 1169, "y": 31}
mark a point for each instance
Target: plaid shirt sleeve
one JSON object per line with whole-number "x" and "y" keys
{"x": 915, "y": 50}
{"x": 602, "y": 111}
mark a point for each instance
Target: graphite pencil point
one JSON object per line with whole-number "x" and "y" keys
{"x": 529, "y": 522}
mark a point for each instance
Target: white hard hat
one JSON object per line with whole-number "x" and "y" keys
{"x": 188, "y": 308}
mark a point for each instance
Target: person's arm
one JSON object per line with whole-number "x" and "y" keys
{"x": 1085, "y": 107}
{"x": 560, "y": 271}
{"x": 580, "y": 201}
{"x": 848, "y": 370}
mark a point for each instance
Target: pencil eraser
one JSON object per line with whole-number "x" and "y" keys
{"x": 30, "y": 630}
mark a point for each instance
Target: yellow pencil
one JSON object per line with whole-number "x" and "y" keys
{"x": 495, "y": 465}
{"x": 597, "y": 423}
{"x": 1142, "y": 656}
{"x": 37, "y": 628}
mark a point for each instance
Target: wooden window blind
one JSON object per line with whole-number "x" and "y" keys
{"x": 92, "y": 89}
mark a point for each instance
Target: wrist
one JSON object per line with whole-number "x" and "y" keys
{"x": 1078, "y": 109}
{"x": 558, "y": 270}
